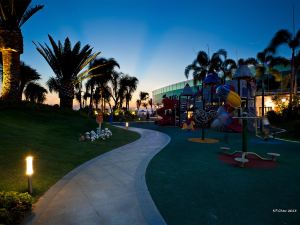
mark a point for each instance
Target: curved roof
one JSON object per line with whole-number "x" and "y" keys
{"x": 187, "y": 91}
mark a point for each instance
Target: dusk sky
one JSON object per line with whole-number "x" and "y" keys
{"x": 155, "y": 40}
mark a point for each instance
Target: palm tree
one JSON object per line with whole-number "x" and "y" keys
{"x": 145, "y": 105}
{"x": 150, "y": 102}
{"x": 227, "y": 67}
{"x": 138, "y": 104}
{"x": 293, "y": 42}
{"x": 27, "y": 74}
{"x": 130, "y": 85}
{"x": 35, "y": 93}
{"x": 13, "y": 14}
{"x": 204, "y": 65}
{"x": 69, "y": 65}
{"x": 78, "y": 95}
{"x": 144, "y": 96}
{"x": 102, "y": 74}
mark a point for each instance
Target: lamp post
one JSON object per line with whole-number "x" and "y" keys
{"x": 127, "y": 125}
{"x": 29, "y": 172}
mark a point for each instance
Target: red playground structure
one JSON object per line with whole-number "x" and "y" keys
{"x": 166, "y": 114}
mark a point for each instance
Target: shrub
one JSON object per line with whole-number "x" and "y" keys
{"x": 13, "y": 207}
{"x": 274, "y": 117}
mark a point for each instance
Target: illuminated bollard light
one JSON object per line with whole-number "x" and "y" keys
{"x": 127, "y": 125}
{"x": 29, "y": 172}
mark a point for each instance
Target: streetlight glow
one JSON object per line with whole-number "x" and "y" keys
{"x": 29, "y": 167}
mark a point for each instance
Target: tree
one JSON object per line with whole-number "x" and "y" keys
{"x": 35, "y": 93}
{"x": 144, "y": 96}
{"x": 145, "y": 105}
{"x": 102, "y": 74}
{"x": 138, "y": 104}
{"x": 68, "y": 65}
{"x": 150, "y": 102}
{"x": 78, "y": 95}
{"x": 130, "y": 85}
{"x": 204, "y": 65}
{"x": 13, "y": 14}
{"x": 293, "y": 42}
{"x": 27, "y": 74}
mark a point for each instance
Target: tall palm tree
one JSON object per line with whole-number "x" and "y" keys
{"x": 150, "y": 102}
{"x": 78, "y": 94}
{"x": 69, "y": 65}
{"x": 27, "y": 74}
{"x": 293, "y": 42}
{"x": 102, "y": 74}
{"x": 138, "y": 104}
{"x": 35, "y": 93}
{"x": 204, "y": 64}
{"x": 145, "y": 105}
{"x": 264, "y": 65}
{"x": 130, "y": 85}
{"x": 144, "y": 96}
{"x": 13, "y": 14}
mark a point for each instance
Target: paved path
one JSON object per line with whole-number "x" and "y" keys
{"x": 109, "y": 189}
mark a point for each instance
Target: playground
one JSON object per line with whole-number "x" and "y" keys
{"x": 223, "y": 165}
{"x": 191, "y": 183}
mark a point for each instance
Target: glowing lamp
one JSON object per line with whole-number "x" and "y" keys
{"x": 29, "y": 172}
{"x": 283, "y": 100}
{"x": 29, "y": 167}
{"x": 127, "y": 125}
{"x": 96, "y": 113}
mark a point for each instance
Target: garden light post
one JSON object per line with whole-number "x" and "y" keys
{"x": 126, "y": 125}
{"x": 29, "y": 172}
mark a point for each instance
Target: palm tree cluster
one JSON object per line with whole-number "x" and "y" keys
{"x": 109, "y": 87}
{"x": 70, "y": 64}
{"x": 265, "y": 64}
{"x": 284, "y": 37}
{"x": 204, "y": 64}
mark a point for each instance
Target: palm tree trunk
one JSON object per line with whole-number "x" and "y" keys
{"x": 66, "y": 102}
{"x": 66, "y": 95}
{"x": 11, "y": 73}
{"x": 21, "y": 89}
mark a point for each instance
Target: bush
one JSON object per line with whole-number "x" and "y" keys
{"x": 274, "y": 117}
{"x": 13, "y": 207}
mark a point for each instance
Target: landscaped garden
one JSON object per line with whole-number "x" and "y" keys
{"x": 51, "y": 136}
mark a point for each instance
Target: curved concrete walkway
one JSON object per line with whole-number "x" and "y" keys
{"x": 110, "y": 189}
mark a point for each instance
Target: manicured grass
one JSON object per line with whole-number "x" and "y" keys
{"x": 51, "y": 137}
{"x": 190, "y": 185}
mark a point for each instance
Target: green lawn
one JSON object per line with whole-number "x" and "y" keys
{"x": 51, "y": 137}
{"x": 190, "y": 185}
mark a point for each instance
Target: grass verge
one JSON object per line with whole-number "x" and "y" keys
{"x": 51, "y": 137}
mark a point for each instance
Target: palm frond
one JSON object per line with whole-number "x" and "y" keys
{"x": 29, "y": 13}
{"x": 53, "y": 84}
{"x": 251, "y": 61}
{"x": 281, "y": 37}
{"x": 202, "y": 58}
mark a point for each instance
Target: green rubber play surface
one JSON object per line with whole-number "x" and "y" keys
{"x": 191, "y": 185}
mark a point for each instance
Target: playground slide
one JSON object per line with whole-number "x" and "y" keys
{"x": 165, "y": 118}
{"x": 235, "y": 126}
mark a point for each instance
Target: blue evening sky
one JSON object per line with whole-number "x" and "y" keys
{"x": 154, "y": 40}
